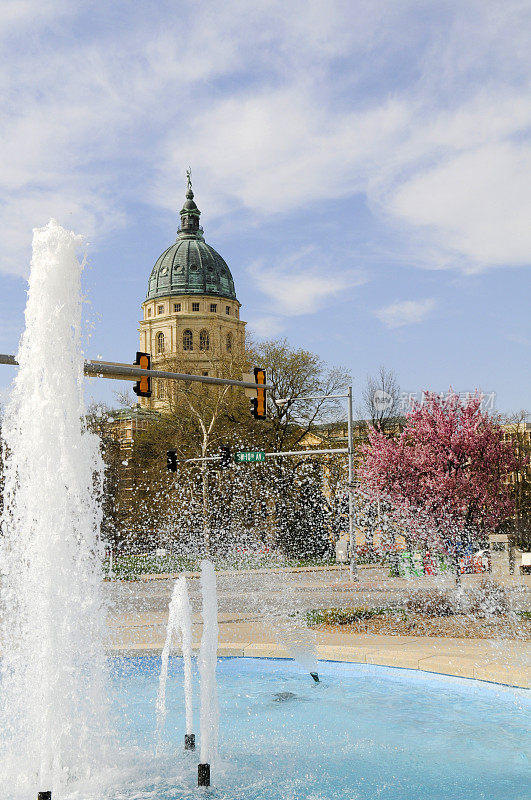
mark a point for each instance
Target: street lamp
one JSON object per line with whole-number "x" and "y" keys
{"x": 284, "y": 401}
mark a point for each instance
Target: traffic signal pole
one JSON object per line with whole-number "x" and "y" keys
{"x": 277, "y": 454}
{"x": 125, "y": 372}
{"x": 353, "y": 570}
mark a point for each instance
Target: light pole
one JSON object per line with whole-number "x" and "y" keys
{"x": 353, "y": 569}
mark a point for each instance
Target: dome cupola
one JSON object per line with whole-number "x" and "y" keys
{"x": 190, "y": 265}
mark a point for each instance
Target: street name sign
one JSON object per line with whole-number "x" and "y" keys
{"x": 249, "y": 456}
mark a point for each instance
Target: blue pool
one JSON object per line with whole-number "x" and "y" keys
{"x": 362, "y": 733}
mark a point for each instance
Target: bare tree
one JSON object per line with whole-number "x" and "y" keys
{"x": 381, "y": 400}
{"x": 196, "y": 419}
{"x": 193, "y": 416}
{"x": 298, "y": 373}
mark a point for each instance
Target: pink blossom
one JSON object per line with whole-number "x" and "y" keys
{"x": 446, "y": 472}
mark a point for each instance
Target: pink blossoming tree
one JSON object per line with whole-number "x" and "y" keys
{"x": 444, "y": 475}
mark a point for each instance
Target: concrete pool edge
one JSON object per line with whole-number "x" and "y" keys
{"x": 413, "y": 658}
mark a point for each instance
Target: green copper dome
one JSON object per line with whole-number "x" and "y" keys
{"x": 190, "y": 265}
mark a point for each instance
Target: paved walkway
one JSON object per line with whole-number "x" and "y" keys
{"x": 501, "y": 661}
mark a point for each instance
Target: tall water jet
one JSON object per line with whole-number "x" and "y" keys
{"x": 180, "y": 623}
{"x": 209, "y": 712}
{"x": 53, "y": 707}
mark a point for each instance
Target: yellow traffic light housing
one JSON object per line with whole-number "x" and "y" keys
{"x": 226, "y": 456}
{"x": 142, "y": 388}
{"x": 259, "y": 403}
{"x": 171, "y": 460}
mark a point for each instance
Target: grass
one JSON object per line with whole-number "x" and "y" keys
{"x": 346, "y": 616}
{"x": 129, "y": 567}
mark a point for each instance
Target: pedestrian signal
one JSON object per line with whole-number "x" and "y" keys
{"x": 258, "y": 403}
{"x": 225, "y": 457}
{"x": 142, "y": 388}
{"x": 171, "y": 461}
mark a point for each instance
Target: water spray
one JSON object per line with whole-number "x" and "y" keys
{"x": 52, "y": 620}
{"x": 180, "y": 623}
{"x": 209, "y": 711}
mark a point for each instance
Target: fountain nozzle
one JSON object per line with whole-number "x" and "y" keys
{"x": 189, "y": 741}
{"x": 315, "y": 676}
{"x": 203, "y": 774}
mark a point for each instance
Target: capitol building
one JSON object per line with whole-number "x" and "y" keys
{"x": 190, "y": 320}
{"x": 191, "y": 315}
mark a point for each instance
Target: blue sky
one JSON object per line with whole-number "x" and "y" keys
{"x": 363, "y": 167}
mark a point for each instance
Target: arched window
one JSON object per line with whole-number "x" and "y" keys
{"x": 160, "y": 342}
{"x": 229, "y": 343}
{"x": 204, "y": 340}
{"x": 188, "y": 340}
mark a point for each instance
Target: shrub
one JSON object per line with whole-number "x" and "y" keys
{"x": 488, "y": 600}
{"x": 436, "y": 603}
{"x": 344, "y": 616}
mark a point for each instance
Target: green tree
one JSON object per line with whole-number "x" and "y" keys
{"x": 97, "y": 418}
{"x": 202, "y": 506}
{"x": 301, "y": 505}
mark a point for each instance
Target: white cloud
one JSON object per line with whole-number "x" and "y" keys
{"x": 477, "y": 204}
{"x": 517, "y": 338}
{"x": 19, "y": 12}
{"x": 303, "y": 283}
{"x": 297, "y": 103}
{"x": 277, "y": 150}
{"x": 405, "y": 312}
{"x": 83, "y": 210}
{"x": 265, "y": 327}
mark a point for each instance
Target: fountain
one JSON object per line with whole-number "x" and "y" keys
{"x": 54, "y": 676}
{"x": 180, "y": 623}
{"x": 180, "y": 620}
{"x": 76, "y": 727}
{"x": 207, "y": 670}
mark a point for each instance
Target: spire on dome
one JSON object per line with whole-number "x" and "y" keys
{"x": 190, "y": 213}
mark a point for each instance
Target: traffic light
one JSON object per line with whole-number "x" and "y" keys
{"x": 225, "y": 457}
{"x": 142, "y": 388}
{"x": 171, "y": 461}
{"x": 258, "y": 403}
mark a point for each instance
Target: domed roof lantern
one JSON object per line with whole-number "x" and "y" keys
{"x": 190, "y": 213}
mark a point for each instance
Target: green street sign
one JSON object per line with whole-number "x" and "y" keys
{"x": 249, "y": 457}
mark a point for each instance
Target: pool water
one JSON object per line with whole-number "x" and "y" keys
{"x": 361, "y": 733}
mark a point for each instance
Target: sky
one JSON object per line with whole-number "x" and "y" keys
{"x": 364, "y": 168}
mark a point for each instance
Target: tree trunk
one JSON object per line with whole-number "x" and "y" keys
{"x": 206, "y": 525}
{"x": 457, "y": 565}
